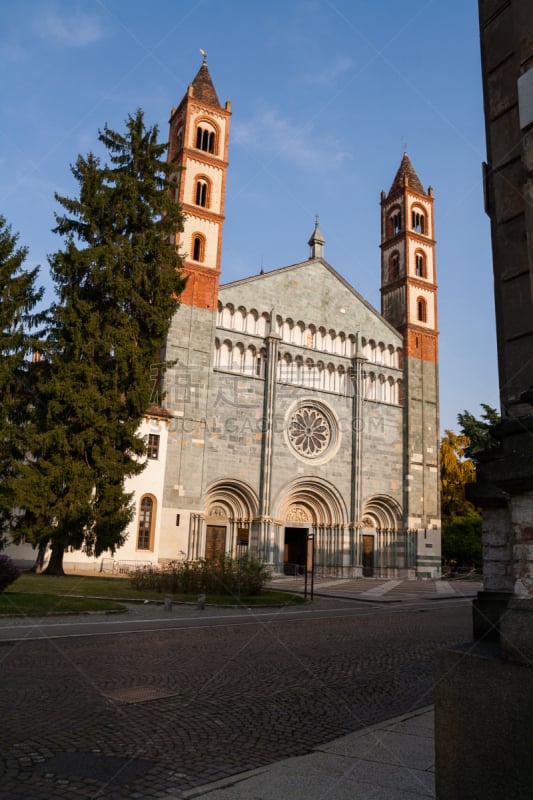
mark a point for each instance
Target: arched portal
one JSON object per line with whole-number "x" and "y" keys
{"x": 230, "y": 509}
{"x": 381, "y": 542}
{"x": 306, "y": 509}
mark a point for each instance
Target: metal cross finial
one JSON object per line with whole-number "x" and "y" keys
{"x": 204, "y": 55}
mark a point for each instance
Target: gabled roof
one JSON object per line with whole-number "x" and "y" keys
{"x": 406, "y": 170}
{"x": 158, "y": 412}
{"x": 203, "y": 88}
{"x": 254, "y": 282}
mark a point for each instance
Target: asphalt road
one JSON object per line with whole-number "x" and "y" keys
{"x": 151, "y": 703}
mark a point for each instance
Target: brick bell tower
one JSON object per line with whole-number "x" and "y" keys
{"x": 198, "y": 146}
{"x": 409, "y": 302}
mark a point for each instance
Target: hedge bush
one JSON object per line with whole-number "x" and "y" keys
{"x": 9, "y": 572}
{"x": 223, "y": 576}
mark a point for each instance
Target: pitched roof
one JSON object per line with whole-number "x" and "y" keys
{"x": 158, "y": 411}
{"x": 203, "y": 87}
{"x": 406, "y": 170}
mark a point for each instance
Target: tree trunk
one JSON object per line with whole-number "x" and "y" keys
{"x": 55, "y": 565}
{"x": 39, "y": 561}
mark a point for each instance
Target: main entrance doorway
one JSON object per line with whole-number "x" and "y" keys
{"x": 295, "y": 551}
{"x": 215, "y": 542}
{"x": 368, "y": 555}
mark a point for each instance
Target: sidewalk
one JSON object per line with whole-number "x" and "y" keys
{"x": 393, "y": 760}
{"x": 381, "y": 590}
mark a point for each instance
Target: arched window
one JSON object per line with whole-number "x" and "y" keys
{"x": 321, "y": 382}
{"x": 421, "y": 310}
{"x": 202, "y": 193}
{"x": 225, "y": 317}
{"x": 420, "y": 265}
{"x": 205, "y": 140}
{"x": 251, "y": 321}
{"x": 198, "y": 247}
{"x": 146, "y": 523}
{"x": 237, "y": 362}
{"x": 340, "y": 343}
{"x": 308, "y": 373}
{"x": 224, "y": 358}
{"x": 396, "y": 222}
{"x": 286, "y": 331}
{"x": 417, "y": 221}
{"x": 239, "y": 319}
{"x": 285, "y": 368}
{"x": 260, "y": 363}
{"x": 262, "y": 324}
{"x": 298, "y": 333}
{"x": 250, "y": 361}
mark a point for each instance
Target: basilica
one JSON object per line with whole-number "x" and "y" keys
{"x": 295, "y": 418}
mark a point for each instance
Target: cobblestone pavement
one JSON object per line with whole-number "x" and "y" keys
{"x": 149, "y": 715}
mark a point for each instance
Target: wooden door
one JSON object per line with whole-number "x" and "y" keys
{"x": 368, "y": 555}
{"x": 215, "y": 542}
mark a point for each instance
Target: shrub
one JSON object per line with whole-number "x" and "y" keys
{"x": 9, "y": 572}
{"x": 223, "y": 576}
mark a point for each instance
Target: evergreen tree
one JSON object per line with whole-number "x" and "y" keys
{"x": 479, "y": 431}
{"x": 18, "y": 320}
{"x": 117, "y": 280}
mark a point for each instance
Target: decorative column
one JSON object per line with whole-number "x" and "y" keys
{"x": 269, "y": 407}
{"x": 357, "y": 375}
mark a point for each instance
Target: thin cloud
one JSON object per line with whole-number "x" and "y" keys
{"x": 70, "y": 30}
{"x": 331, "y": 73}
{"x": 275, "y": 136}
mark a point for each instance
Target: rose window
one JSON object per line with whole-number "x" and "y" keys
{"x": 309, "y": 431}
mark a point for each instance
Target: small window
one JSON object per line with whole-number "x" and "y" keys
{"x": 205, "y": 140}
{"x": 201, "y": 193}
{"x": 417, "y": 222}
{"x": 420, "y": 270}
{"x": 198, "y": 247}
{"x": 396, "y": 222}
{"x": 146, "y": 516}
{"x": 421, "y": 310}
{"x": 152, "y": 449}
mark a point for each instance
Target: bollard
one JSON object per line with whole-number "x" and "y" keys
{"x": 201, "y": 602}
{"x": 168, "y": 602}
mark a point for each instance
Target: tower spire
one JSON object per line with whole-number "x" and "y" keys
{"x": 316, "y": 242}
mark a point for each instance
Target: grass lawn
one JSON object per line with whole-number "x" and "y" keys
{"x": 47, "y": 594}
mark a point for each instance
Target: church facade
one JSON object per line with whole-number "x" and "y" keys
{"x": 293, "y": 413}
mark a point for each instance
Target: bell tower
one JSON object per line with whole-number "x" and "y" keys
{"x": 198, "y": 146}
{"x": 409, "y": 303}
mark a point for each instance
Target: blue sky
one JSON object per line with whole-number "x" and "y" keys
{"x": 325, "y": 98}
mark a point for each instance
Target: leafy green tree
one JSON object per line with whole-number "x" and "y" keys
{"x": 18, "y": 338}
{"x": 479, "y": 431}
{"x": 461, "y": 540}
{"x": 117, "y": 281}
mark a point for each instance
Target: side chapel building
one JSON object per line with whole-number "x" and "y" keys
{"x": 291, "y": 406}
